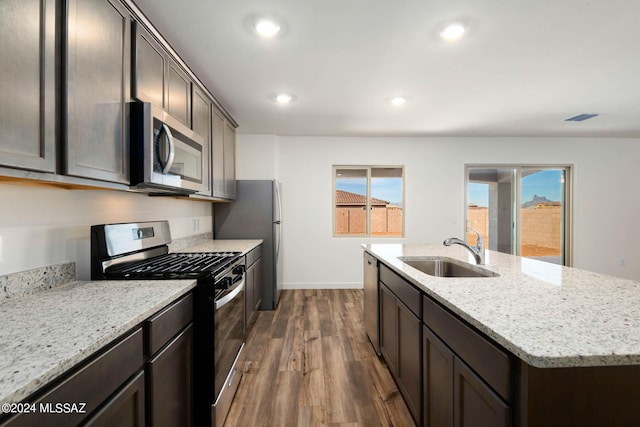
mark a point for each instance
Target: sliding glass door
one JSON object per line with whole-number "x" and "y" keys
{"x": 521, "y": 210}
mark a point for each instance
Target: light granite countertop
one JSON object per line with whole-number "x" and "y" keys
{"x": 50, "y": 329}
{"x": 545, "y": 314}
{"x": 239, "y": 245}
{"x": 45, "y": 334}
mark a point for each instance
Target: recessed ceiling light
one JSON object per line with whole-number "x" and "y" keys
{"x": 453, "y": 31}
{"x": 267, "y": 27}
{"x": 398, "y": 101}
{"x": 282, "y": 98}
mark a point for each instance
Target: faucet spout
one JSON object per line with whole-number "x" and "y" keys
{"x": 477, "y": 251}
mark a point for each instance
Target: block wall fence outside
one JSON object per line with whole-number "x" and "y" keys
{"x": 540, "y": 228}
{"x": 384, "y": 220}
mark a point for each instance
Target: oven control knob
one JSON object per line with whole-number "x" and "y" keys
{"x": 239, "y": 269}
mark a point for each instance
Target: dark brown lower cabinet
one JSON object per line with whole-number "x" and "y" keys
{"x": 453, "y": 394}
{"x": 125, "y": 409}
{"x": 400, "y": 347}
{"x": 475, "y": 404}
{"x": 253, "y": 286}
{"x": 170, "y": 382}
{"x": 92, "y": 388}
{"x": 437, "y": 381}
{"x": 408, "y": 369}
{"x": 388, "y": 339}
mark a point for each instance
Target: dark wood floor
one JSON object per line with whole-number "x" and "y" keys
{"x": 310, "y": 363}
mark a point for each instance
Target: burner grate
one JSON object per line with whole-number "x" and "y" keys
{"x": 175, "y": 265}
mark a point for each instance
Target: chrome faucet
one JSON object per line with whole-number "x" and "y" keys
{"x": 477, "y": 251}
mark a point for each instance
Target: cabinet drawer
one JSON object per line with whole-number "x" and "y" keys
{"x": 409, "y": 295}
{"x": 167, "y": 323}
{"x": 490, "y": 362}
{"x": 91, "y": 384}
{"x": 253, "y": 256}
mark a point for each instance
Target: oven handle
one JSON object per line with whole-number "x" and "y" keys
{"x": 231, "y": 295}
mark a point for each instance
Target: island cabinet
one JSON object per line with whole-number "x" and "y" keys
{"x": 158, "y": 78}
{"x": 467, "y": 380}
{"x": 98, "y": 93}
{"x": 253, "y": 285}
{"x": 223, "y": 157}
{"x": 28, "y": 79}
{"x": 400, "y": 334}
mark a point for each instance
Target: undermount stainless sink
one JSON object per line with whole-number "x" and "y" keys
{"x": 446, "y": 267}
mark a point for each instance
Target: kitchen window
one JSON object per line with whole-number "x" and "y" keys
{"x": 368, "y": 201}
{"x": 521, "y": 210}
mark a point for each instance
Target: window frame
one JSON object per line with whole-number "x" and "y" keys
{"x": 567, "y": 222}
{"x": 368, "y": 168}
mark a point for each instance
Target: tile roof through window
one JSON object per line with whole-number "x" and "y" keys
{"x": 346, "y": 198}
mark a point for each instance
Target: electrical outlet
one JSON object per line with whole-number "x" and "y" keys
{"x": 196, "y": 224}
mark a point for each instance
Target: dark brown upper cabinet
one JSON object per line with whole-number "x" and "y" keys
{"x": 27, "y": 83}
{"x": 98, "y": 90}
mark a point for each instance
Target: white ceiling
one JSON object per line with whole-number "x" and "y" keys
{"x": 523, "y": 67}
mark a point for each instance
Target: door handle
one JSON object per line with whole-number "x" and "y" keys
{"x": 172, "y": 148}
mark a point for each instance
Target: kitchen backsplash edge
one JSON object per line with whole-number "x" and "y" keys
{"x": 39, "y": 279}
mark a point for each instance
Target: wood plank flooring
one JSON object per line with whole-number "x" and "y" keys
{"x": 310, "y": 363}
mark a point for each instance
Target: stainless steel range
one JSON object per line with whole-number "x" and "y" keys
{"x": 139, "y": 251}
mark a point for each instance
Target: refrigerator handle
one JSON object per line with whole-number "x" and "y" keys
{"x": 279, "y": 220}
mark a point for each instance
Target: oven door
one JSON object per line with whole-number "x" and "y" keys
{"x": 228, "y": 343}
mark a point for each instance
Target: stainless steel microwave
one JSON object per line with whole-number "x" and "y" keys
{"x": 166, "y": 156}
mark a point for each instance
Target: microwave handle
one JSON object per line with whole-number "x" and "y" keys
{"x": 172, "y": 148}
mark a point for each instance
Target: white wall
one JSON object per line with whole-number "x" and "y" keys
{"x": 605, "y": 202}
{"x": 44, "y": 226}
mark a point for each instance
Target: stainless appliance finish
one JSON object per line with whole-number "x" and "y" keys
{"x": 140, "y": 251}
{"x": 166, "y": 156}
{"x": 256, "y": 214}
{"x": 371, "y": 306}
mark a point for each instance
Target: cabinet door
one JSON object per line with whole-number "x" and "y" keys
{"x": 258, "y": 283}
{"x": 475, "y": 404}
{"x": 98, "y": 90}
{"x": 388, "y": 339}
{"x": 201, "y": 124}
{"x": 125, "y": 409}
{"x": 249, "y": 309}
{"x": 437, "y": 381}
{"x": 179, "y": 93}
{"x": 229, "y": 161}
{"x": 409, "y": 362}
{"x": 171, "y": 382}
{"x": 149, "y": 68}
{"x": 217, "y": 154}
{"x": 27, "y": 83}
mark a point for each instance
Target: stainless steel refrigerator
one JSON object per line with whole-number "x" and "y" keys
{"x": 256, "y": 213}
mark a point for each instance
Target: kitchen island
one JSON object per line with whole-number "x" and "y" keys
{"x": 564, "y": 343}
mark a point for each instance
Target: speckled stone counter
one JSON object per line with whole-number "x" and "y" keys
{"x": 45, "y": 334}
{"x": 545, "y": 314}
{"x": 240, "y": 245}
{"x": 47, "y": 330}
